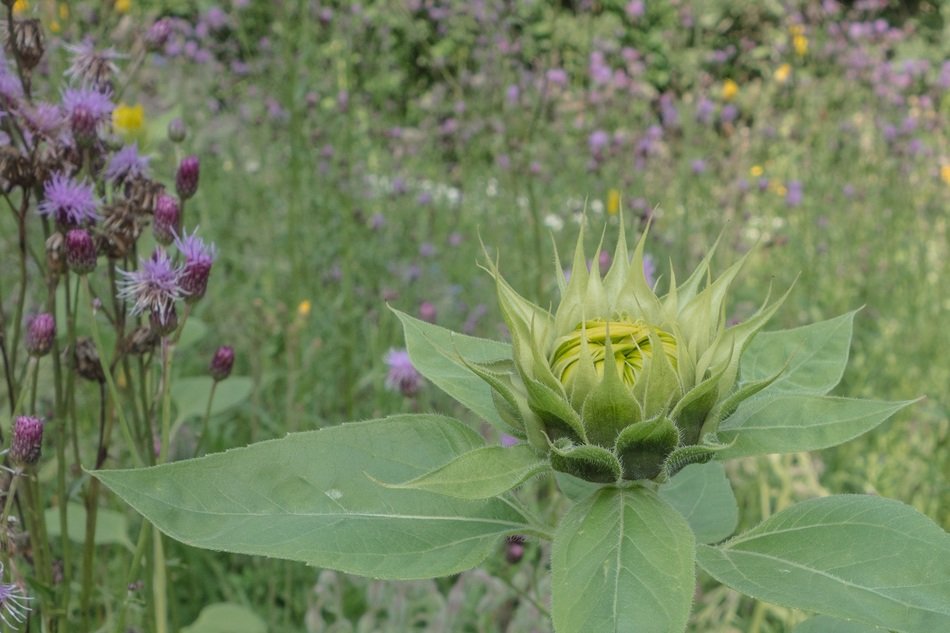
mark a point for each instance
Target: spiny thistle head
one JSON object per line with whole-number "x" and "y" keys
{"x": 167, "y": 219}
{"x": 221, "y": 363}
{"x": 27, "y": 441}
{"x": 153, "y": 288}
{"x": 40, "y": 333}
{"x": 618, "y": 382}
{"x": 199, "y": 257}
{"x": 186, "y": 179}
{"x": 81, "y": 254}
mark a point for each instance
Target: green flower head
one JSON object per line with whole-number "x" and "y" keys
{"x": 620, "y": 383}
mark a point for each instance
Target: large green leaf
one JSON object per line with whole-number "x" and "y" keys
{"x": 435, "y": 352}
{"x": 815, "y": 356}
{"x": 792, "y": 423}
{"x": 622, "y": 560}
{"x": 224, "y": 617}
{"x": 312, "y": 497}
{"x": 703, "y": 495}
{"x": 482, "y": 473}
{"x": 856, "y": 557}
{"x": 825, "y": 624}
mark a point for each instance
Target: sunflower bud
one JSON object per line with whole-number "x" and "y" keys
{"x": 618, "y": 382}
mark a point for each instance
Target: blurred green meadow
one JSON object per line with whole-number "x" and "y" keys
{"x": 356, "y": 156}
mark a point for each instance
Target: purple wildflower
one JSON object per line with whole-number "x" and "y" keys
{"x": 509, "y": 440}
{"x": 427, "y": 311}
{"x": 68, "y": 202}
{"x": 127, "y": 164}
{"x": 793, "y": 193}
{"x": 729, "y": 113}
{"x": 705, "y": 109}
{"x": 45, "y": 119}
{"x": 154, "y": 287}
{"x": 698, "y": 166}
{"x": 402, "y": 376}
{"x": 597, "y": 142}
{"x": 87, "y": 109}
{"x": 90, "y": 66}
{"x": 12, "y": 604}
{"x": 199, "y": 258}
{"x": 11, "y": 90}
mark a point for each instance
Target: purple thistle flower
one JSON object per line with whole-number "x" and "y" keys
{"x": 197, "y": 268}
{"x": 427, "y": 311}
{"x": 27, "y": 442}
{"x": 90, "y": 66}
{"x": 698, "y": 166}
{"x": 40, "y": 333}
{"x": 68, "y": 202}
{"x": 11, "y": 90}
{"x": 127, "y": 164}
{"x": 87, "y": 109}
{"x": 12, "y": 604}
{"x": 402, "y": 376}
{"x": 154, "y": 287}
{"x": 705, "y": 109}
{"x": 729, "y": 113}
{"x": 45, "y": 119}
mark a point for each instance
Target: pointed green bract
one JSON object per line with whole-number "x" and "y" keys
{"x": 313, "y": 497}
{"x": 588, "y": 461}
{"x": 643, "y": 447}
{"x": 856, "y": 557}
{"x": 622, "y": 560}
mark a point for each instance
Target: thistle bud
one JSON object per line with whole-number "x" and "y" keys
{"x": 163, "y": 321}
{"x": 28, "y": 42}
{"x": 186, "y": 180}
{"x": 27, "y": 442}
{"x": 199, "y": 257}
{"x": 56, "y": 254}
{"x": 158, "y": 34}
{"x": 221, "y": 363}
{"x": 514, "y": 549}
{"x": 177, "y": 130}
{"x": 40, "y": 333}
{"x": 80, "y": 252}
{"x": 167, "y": 218}
{"x": 86, "y": 360}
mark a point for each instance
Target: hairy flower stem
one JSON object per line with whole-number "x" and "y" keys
{"x": 132, "y": 574}
{"x": 110, "y": 381}
{"x": 207, "y": 416}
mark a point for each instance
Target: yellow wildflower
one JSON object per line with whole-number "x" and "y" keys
{"x": 123, "y": 6}
{"x": 54, "y": 26}
{"x": 778, "y": 188}
{"x": 21, "y": 6}
{"x": 613, "y": 202}
{"x": 800, "y": 44}
{"x": 756, "y": 170}
{"x": 729, "y": 90}
{"x": 303, "y": 309}
{"x": 129, "y": 121}
{"x": 945, "y": 173}
{"x": 782, "y": 73}
{"x": 63, "y": 11}
{"x": 796, "y": 29}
